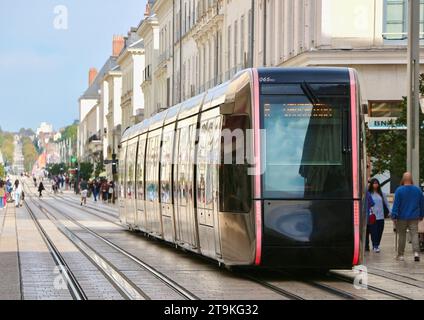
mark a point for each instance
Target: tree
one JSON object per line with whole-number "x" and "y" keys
{"x": 26, "y": 132}
{"x": 388, "y": 149}
{"x": 7, "y": 147}
{"x": 57, "y": 168}
{"x": 86, "y": 170}
{"x": 70, "y": 132}
{"x": 30, "y": 153}
{"x": 2, "y": 172}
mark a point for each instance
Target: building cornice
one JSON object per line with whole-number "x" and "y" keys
{"x": 147, "y": 25}
{"x": 160, "y": 5}
{"x": 374, "y": 56}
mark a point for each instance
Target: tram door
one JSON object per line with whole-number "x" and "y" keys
{"x": 166, "y": 183}
{"x": 141, "y": 212}
{"x": 153, "y": 215}
{"x": 130, "y": 183}
{"x": 207, "y": 184}
{"x": 186, "y": 231}
{"x": 121, "y": 184}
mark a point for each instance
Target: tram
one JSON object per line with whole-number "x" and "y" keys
{"x": 286, "y": 189}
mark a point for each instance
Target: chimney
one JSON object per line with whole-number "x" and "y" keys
{"x": 147, "y": 12}
{"x": 91, "y": 76}
{"x": 118, "y": 45}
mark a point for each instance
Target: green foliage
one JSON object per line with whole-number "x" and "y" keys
{"x": 30, "y": 153}
{"x": 388, "y": 149}
{"x": 86, "y": 170}
{"x": 57, "y": 168}
{"x": 26, "y": 132}
{"x": 2, "y": 172}
{"x": 70, "y": 132}
{"x": 7, "y": 147}
{"x": 100, "y": 167}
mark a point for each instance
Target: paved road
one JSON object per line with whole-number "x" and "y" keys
{"x": 104, "y": 261}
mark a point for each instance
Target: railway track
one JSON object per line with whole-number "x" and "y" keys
{"x": 397, "y": 277}
{"x": 129, "y": 289}
{"x": 388, "y": 293}
{"x": 284, "y": 292}
{"x": 74, "y": 203}
{"x": 74, "y": 286}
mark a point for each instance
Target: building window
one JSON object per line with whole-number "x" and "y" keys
{"x": 242, "y": 48}
{"x": 235, "y": 43}
{"x": 385, "y": 109}
{"x": 396, "y": 20}
{"x": 229, "y": 48}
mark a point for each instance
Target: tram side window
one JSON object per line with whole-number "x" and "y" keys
{"x": 235, "y": 184}
{"x": 152, "y": 165}
{"x": 166, "y": 166}
{"x": 122, "y": 170}
{"x": 140, "y": 169}
{"x": 131, "y": 170}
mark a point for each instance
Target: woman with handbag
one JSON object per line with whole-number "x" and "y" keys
{"x": 370, "y": 219}
{"x": 381, "y": 210}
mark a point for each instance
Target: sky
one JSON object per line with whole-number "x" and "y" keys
{"x": 46, "y": 50}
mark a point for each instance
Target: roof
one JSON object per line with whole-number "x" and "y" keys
{"x": 139, "y": 44}
{"x": 93, "y": 91}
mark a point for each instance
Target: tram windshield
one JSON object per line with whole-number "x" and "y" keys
{"x": 307, "y": 145}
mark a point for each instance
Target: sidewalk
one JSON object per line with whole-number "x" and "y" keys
{"x": 9, "y": 260}
{"x": 385, "y": 260}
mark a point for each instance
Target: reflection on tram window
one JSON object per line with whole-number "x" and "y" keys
{"x": 152, "y": 169}
{"x": 166, "y": 167}
{"x": 140, "y": 169}
{"x": 304, "y": 147}
{"x": 235, "y": 197}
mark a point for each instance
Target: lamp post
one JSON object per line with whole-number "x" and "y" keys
{"x": 413, "y": 153}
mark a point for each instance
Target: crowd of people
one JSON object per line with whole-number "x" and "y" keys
{"x": 100, "y": 189}
{"x": 11, "y": 192}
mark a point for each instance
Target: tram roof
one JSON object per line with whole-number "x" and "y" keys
{"x": 308, "y": 74}
{"x": 202, "y": 102}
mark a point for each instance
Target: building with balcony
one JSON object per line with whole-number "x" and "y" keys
{"x": 149, "y": 31}
{"x": 132, "y": 63}
{"x": 113, "y": 85}
{"x": 93, "y": 109}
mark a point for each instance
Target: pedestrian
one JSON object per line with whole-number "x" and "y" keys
{"x": 105, "y": 191}
{"x": 35, "y": 181}
{"x": 95, "y": 190}
{"x": 17, "y": 193}
{"x": 2, "y": 195}
{"x": 62, "y": 182}
{"x": 111, "y": 191}
{"x": 408, "y": 211}
{"x": 84, "y": 192}
{"x": 41, "y": 189}
{"x": 381, "y": 209}
{"x": 370, "y": 204}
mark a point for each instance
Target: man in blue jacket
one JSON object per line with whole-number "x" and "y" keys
{"x": 408, "y": 211}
